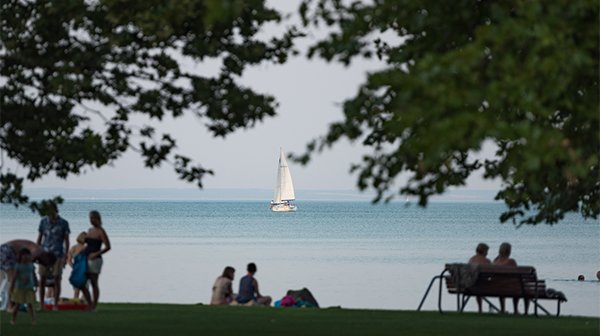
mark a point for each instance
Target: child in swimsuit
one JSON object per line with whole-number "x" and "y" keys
{"x": 22, "y": 288}
{"x": 74, "y": 251}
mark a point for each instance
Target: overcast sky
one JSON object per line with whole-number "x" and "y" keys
{"x": 309, "y": 93}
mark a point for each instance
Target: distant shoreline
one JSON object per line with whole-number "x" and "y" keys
{"x": 231, "y": 194}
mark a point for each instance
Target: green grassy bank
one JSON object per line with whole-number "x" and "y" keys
{"x": 175, "y": 320}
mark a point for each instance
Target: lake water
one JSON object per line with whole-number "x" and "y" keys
{"x": 349, "y": 254}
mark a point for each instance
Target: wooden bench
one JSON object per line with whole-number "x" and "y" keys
{"x": 485, "y": 281}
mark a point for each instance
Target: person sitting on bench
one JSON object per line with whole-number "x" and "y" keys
{"x": 503, "y": 259}
{"x": 480, "y": 258}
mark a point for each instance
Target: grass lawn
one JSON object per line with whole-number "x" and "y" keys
{"x": 175, "y": 320}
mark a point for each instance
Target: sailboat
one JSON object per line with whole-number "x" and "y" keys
{"x": 284, "y": 188}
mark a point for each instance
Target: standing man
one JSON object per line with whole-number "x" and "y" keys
{"x": 54, "y": 238}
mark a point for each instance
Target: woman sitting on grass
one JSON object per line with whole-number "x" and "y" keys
{"x": 222, "y": 291}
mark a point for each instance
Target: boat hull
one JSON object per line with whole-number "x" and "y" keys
{"x": 283, "y": 207}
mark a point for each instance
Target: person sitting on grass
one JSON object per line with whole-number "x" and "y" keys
{"x": 21, "y": 289}
{"x": 222, "y": 291}
{"x": 248, "y": 293}
{"x": 480, "y": 258}
{"x": 503, "y": 259}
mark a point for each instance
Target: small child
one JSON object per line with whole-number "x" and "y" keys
{"x": 74, "y": 251}
{"x": 22, "y": 287}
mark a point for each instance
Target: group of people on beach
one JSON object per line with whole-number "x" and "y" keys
{"x": 51, "y": 252}
{"x": 248, "y": 293}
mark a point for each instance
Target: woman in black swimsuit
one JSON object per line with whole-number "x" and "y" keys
{"x": 96, "y": 237}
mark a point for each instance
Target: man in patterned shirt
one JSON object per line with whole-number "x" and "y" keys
{"x": 54, "y": 238}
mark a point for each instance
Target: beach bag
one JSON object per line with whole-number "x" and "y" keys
{"x": 287, "y": 301}
{"x": 303, "y": 297}
{"x": 78, "y": 276}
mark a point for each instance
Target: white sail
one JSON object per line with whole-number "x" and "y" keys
{"x": 284, "y": 187}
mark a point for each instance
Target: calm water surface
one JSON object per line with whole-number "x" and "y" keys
{"x": 350, "y": 254}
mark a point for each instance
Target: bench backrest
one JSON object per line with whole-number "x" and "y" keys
{"x": 494, "y": 280}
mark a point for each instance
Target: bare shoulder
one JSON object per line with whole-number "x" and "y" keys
{"x": 95, "y": 232}
{"x": 103, "y": 232}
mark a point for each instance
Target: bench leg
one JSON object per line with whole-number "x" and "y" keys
{"x": 440, "y": 291}
{"x": 490, "y": 304}
{"x": 464, "y": 302}
{"x": 427, "y": 291}
{"x": 537, "y": 305}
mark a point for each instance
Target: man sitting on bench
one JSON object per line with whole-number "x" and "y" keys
{"x": 480, "y": 258}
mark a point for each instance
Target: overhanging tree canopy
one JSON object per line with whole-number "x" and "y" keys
{"x": 523, "y": 75}
{"x": 64, "y": 62}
